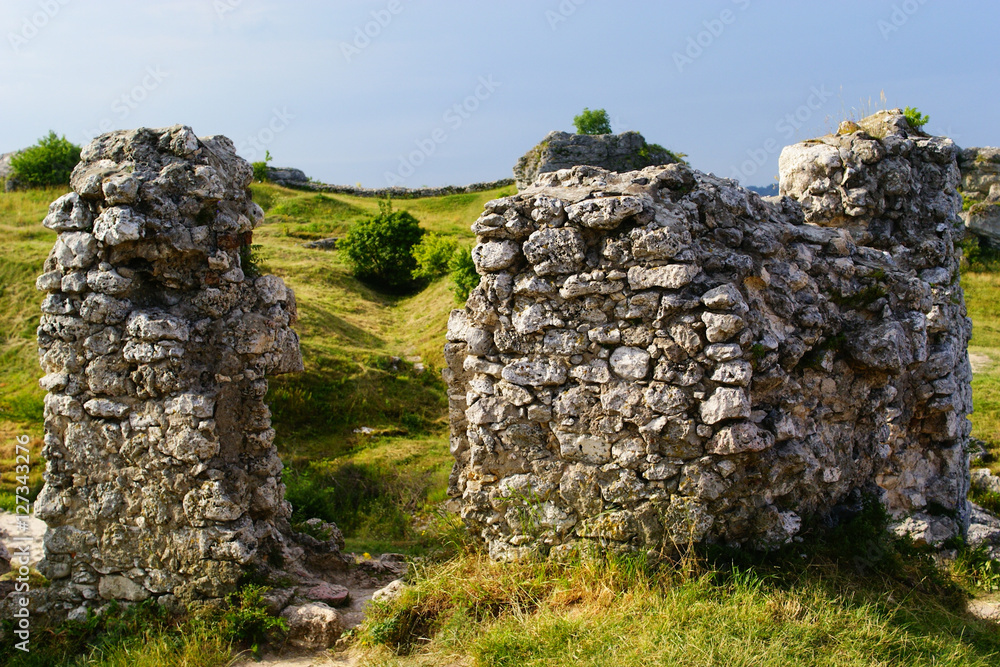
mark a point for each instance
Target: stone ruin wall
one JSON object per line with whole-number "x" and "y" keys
{"x": 980, "y": 169}
{"x": 661, "y": 357}
{"x": 155, "y": 339}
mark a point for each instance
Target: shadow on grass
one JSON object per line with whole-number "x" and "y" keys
{"x": 338, "y": 394}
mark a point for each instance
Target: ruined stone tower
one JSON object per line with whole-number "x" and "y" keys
{"x": 661, "y": 357}
{"x": 155, "y": 339}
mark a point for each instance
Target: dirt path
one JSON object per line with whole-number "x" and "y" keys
{"x": 979, "y": 362}
{"x": 303, "y": 659}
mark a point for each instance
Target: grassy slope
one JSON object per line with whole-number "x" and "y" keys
{"x": 981, "y": 291}
{"x": 26, "y": 244}
{"x": 350, "y": 332}
{"x": 484, "y": 613}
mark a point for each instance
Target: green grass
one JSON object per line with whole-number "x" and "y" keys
{"x": 795, "y": 608}
{"x": 374, "y": 492}
{"x": 26, "y": 244}
{"x": 144, "y": 635}
{"x": 981, "y": 289}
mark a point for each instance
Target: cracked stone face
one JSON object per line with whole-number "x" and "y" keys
{"x": 155, "y": 339}
{"x": 685, "y": 361}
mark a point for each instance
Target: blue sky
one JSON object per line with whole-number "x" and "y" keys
{"x": 415, "y": 92}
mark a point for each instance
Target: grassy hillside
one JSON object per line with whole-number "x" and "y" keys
{"x": 363, "y": 434}
{"x": 981, "y": 290}
{"x": 25, "y": 245}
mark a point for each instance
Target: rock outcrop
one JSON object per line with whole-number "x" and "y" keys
{"x": 614, "y": 152}
{"x": 156, "y": 336}
{"x": 287, "y": 176}
{"x": 6, "y": 171}
{"x": 5, "y": 168}
{"x": 660, "y": 357}
{"x": 980, "y": 169}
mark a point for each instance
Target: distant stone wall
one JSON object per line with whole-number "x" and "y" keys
{"x": 288, "y": 178}
{"x": 661, "y": 357}
{"x": 155, "y": 339}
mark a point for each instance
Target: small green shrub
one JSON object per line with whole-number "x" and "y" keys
{"x": 652, "y": 149}
{"x": 246, "y": 620}
{"x": 988, "y": 500}
{"x": 592, "y": 122}
{"x": 977, "y": 256}
{"x": 380, "y": 248}
{"x": 49, "y": 162}
{"x": 252, "y": 260}
{"x": 260, "y": 168}
{"x": 916, "y": 119}
{"x": 976, "y": 568}
{"x": 433, "y": 256}
{"x": 463, "y": 274}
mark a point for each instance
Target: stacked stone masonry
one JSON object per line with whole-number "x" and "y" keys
{"x": 155, "y": 338}
{"x": 660, "y": 357}
{"x": 980, "y": 169}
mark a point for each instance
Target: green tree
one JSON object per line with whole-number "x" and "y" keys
{"x": 49, "y": 162}
{"x": 592, "y": 122}
{"x": 463, "y": 274}
{"x": 380, "y": 248}
{"x": 433, "y": 255}
{"x": 260, "y": 168}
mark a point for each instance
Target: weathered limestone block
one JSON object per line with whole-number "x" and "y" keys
{"x": 980, "y": 168}
{"x": 562, "y": 150}
{"x": 691, "y": 362}
{"x": 156, "y": 336}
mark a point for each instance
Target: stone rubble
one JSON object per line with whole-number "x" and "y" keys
{"x": 661, "y": 357}
{"x": 156, "y": 336}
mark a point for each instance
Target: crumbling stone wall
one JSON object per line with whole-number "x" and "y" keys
{"x": 155, "y": 339}
{"x": 980, "y": 169}
{"x": 661, "y": 357}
